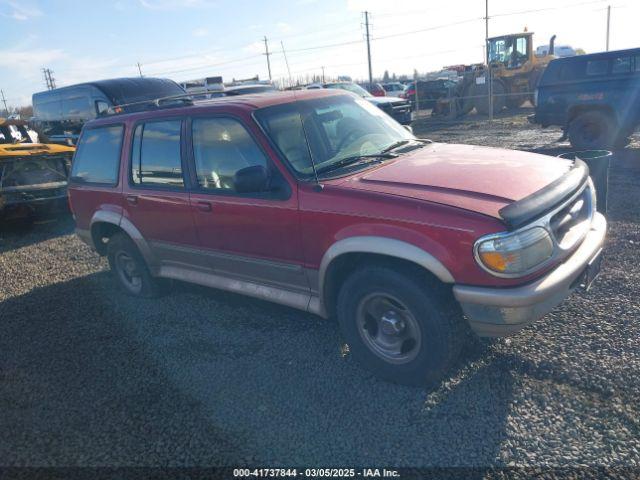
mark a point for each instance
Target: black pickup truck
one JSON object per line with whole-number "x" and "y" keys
{"x": 595, "y": 98}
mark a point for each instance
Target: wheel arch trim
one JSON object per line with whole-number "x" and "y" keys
{"x": 389, "y": 247}
{"x": 114, "y": 218}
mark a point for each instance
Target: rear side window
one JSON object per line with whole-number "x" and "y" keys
{"x": 49, "y": 110}
{"x": 621, "y": 65}
{"x": 77, "y": 107}
{"x": 637, "y": 62}
{"x": 597, "y": 67}
{"x": 98, "y": 156}
{"x": 156, "y": 158}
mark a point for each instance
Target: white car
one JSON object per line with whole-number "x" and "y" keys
{"x": 560, "y": 51}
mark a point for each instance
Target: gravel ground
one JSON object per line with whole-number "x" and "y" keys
{"x": 91, "y": 377}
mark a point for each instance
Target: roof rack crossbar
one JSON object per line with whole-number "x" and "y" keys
{"x": 182, "y": 99}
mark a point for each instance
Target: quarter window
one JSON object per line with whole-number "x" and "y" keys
{"x": 98, "y": 156}
{"x": 156, "y": 158}
{"x": 222, "y": 147}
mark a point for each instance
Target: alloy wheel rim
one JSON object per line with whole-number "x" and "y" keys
{"x": 388, "y": 328}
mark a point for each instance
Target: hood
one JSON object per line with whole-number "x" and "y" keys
{"x": 385, "y": 100}
{"x": 479, "y": 179}
{"x": 31, "y": 149}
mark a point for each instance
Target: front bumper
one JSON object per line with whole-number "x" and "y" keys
{"x": 495, "y": 312}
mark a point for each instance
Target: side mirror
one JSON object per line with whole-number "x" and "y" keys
{"x": 408, "y": 128}
{"x": 251, "y": 179}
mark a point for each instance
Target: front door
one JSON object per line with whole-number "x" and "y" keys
{"x": 245, "y": 212}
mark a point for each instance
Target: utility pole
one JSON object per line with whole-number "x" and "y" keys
{"x": 4, "y": 100}
{"x": 322, "y": 74}
{"x": 266, "y": 52}
{"x": 488, "y": 76}
{"x": 48, "y": 78}
{"x": 608, "y": 23}
{"x": 139, "y": 68}
{"x": 366, "y": 23}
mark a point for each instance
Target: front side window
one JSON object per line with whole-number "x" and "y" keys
{"x": 98, "y": 156}
{"x": 336, "y": 129}
{"x": 223, "y": 152}
{"x": 156, "y": 158}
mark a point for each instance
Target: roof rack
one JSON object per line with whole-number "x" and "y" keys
{"x": 162, "y": 102}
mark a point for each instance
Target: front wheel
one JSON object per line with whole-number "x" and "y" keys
{"x": 398, "y": 326}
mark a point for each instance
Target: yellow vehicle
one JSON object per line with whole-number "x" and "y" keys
{"x": 33, "y": 176}
{"x": 515, "y": 71}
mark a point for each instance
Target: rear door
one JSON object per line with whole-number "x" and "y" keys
{"x": 94, "y": 181}
{"x": 156, "y": 199}
{"x": 248, "y": 232}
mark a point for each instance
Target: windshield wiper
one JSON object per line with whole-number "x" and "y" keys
{"x": 355, "y": 159}
{"x": 394, "y": 145}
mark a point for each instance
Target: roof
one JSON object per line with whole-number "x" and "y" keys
{"x": 507, "y": 35}
{"x": 129, "y": 90}
{"x": 247, "y": 102}
{"x": 610, "y": 53}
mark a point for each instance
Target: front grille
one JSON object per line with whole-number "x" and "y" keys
{"x": 570, "y": 224}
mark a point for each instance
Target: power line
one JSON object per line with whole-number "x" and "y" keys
{"x": 546, "y": 9}
{"x": 200, "y": 67}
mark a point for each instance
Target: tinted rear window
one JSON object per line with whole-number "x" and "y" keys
{"x": 98, "y": 156}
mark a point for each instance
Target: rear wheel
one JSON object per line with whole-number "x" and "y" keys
{"x": 592, "y": 130}
{"x": 397, "y": 327}
{"x": 129, "y": 267}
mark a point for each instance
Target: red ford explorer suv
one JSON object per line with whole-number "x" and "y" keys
{"x": 320, "y": 201}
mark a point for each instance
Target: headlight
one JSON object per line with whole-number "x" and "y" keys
{"x": 514, "y": 254}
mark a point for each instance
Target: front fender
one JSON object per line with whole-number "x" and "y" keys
{"x": 389, "y": 247}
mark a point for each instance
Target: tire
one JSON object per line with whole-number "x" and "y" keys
{"x": 129, "y": 268}
{"x": 423, "y": 323}
{"x": 514, "y": 102}
{"x": 481, "y": 102}
{"x": 592, "y": 130}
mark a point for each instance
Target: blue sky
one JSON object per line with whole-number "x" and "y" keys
{"x": 184, "y": 39}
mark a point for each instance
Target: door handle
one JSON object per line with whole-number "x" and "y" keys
{"x": 203, "y": 206}
{"x": 132, "y": 199}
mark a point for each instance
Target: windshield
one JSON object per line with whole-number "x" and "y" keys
{"x": 350, "y": 87}
{"x": 338, "y": 128}
{"x": 509, "y": 51}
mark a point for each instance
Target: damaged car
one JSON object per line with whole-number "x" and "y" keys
{"x": 33, "y": 176}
